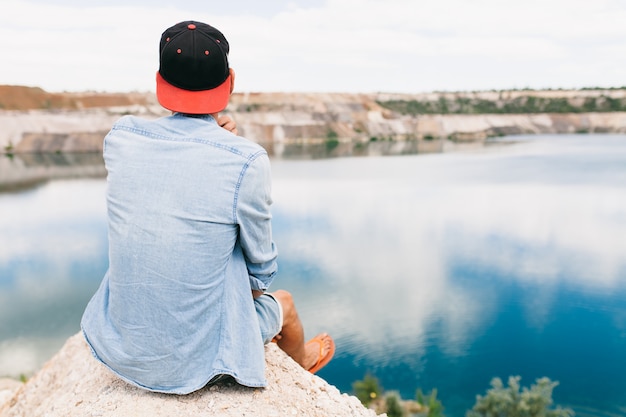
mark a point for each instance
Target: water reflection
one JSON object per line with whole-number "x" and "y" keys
{"x": 24, "y": 171}
{"x": 439, "y": 270}
{"x": 337, "y": 149}
{"x": 421, "y": 265}
{"x": 53, "y": 244}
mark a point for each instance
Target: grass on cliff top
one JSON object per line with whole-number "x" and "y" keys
{"x": 518, "y": 105}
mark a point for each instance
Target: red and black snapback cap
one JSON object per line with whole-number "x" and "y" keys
{"x": 194, "y": 75}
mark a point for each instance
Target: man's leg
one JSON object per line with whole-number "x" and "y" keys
{"x": 291, "y": 337}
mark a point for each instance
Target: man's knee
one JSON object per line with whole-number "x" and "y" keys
{"x": 286, "y": 301}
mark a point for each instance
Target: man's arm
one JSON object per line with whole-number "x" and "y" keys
{"x": 254, "y": 221}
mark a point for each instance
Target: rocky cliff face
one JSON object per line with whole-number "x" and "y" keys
{"x": 282, "y": 117}
{"x": 74, "y": 384}
{"x": 277, "y": 118}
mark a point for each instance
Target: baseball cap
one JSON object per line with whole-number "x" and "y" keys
{"x": 193, "y": 74}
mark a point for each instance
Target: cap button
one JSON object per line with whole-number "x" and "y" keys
{"x": 191, "y": 26}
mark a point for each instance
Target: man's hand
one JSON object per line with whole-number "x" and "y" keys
{"x": 256, "y": 293}
{"x": 227, "y": 123}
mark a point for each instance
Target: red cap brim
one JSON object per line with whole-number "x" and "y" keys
{"x": 192, "y": 102}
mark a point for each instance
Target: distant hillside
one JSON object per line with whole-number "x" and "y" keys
{"x": 13, "y": 97}
{"x": 33, "y": 120}
{"x": 586, "y": 100}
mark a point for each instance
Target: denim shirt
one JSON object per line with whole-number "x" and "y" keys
{"x": 190, "y": 236}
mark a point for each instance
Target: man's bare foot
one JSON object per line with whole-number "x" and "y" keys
{"x": 318, "y": 352}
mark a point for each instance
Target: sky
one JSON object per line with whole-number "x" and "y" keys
{"x": 361, "y": 46}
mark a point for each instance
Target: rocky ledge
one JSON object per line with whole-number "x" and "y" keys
{"x": 74, "y": 384}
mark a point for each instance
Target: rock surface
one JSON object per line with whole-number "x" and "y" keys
{"x": 8, "y": 388}
{"x": 74, "y": 384}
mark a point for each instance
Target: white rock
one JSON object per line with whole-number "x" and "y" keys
{"x": 74, "y": 384}
{"x": 8, "y": 388}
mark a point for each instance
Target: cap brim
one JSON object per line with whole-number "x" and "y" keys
{"x": 192, "y": 102}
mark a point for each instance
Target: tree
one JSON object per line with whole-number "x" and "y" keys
{"x": 508, "y": 401}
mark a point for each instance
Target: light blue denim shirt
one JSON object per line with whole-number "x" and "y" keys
{"x": 189, "y": 238}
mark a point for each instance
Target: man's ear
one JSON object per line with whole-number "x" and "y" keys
{"x": 232, "y": 80}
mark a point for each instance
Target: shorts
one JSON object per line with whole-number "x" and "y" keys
{"x": 270, "y": 314}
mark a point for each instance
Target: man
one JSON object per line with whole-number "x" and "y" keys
{"x": 183, "y": 302}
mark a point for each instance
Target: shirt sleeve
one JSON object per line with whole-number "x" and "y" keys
{"x": 254, "y": 220}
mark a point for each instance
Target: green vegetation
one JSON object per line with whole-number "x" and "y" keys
{"x": 381, "y": 138}
{"x": 604, "y": 88}
{"x": 430, "y": 403}
{"x": 331, "y": 135}
{"x": 367, "y": 390}
{"x": 510, "y": 402}
{"x": 518, "y": 105}
{"x": 393, "y": 406}
{"x": 499, "y": 401}
{"x": 371, "y": 395}
{"x": 332, "y": 140}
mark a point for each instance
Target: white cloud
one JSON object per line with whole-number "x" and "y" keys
{"x": 339, "y": 45}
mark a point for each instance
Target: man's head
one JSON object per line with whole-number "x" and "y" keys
{"x": 194, "y": 76}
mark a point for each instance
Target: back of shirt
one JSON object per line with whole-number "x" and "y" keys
{"x": 189, "y": 237}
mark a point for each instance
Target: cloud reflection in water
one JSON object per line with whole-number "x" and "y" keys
{"x": 53, "y": 240}
{"x": 387, "y": 241}
{"x": 450, "y": 269}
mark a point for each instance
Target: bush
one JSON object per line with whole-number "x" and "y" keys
{"x": 508, "y": 401}
{"x": 430, "y": 403}
{"x": 367, "y": 390}
{"x": 394, "y": 408}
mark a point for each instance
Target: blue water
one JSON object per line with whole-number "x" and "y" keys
{"x": 431, "y": 271}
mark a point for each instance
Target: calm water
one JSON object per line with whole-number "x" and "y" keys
{"x": 433, "y": 271}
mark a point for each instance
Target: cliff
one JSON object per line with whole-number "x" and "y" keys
{"x": 74, "y": 384}
{"x": 278, "y": 118}
{"x": 284, "y": 117}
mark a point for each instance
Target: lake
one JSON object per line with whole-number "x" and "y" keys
{"x": 438, "y": 270}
